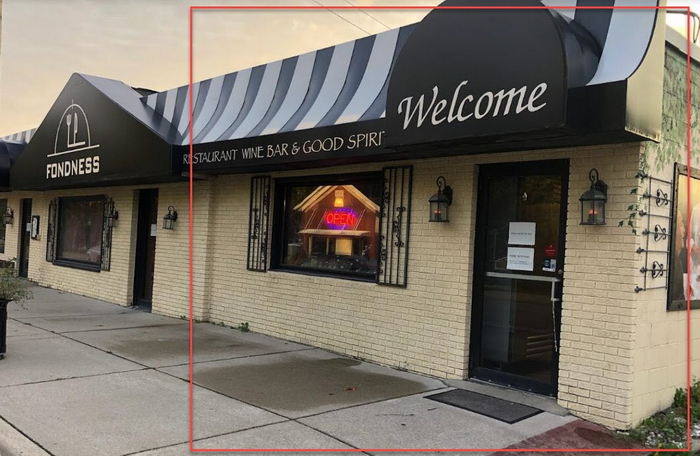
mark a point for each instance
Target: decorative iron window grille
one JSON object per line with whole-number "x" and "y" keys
{"x": 107, "y": 236}
{"x": 394, "y": 226}
{"x": 258, "y": 222}
{"x": 51, "y": 231}
{"x": 657, "y": 243}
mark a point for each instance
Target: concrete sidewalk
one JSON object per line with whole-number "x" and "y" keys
{"x": 84, "y": 377}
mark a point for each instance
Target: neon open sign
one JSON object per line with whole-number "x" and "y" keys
{"x": 340, "y": 218}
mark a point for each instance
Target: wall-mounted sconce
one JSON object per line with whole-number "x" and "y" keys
{"x": 9, "y": 216}
{"x": 170, "y": 218}
{"x": 440, "y": 202}
{"x": 111, "y": 217}
{"x": 593, "y": 201}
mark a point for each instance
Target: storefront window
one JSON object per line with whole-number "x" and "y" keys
{"x": 3, "y": 209}
{"x": 331, "y": 226}
{"x": 80, "y": 222}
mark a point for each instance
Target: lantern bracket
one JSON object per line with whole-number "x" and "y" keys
{"x": 444, "y": 188}
{"x": 596, "y": 183}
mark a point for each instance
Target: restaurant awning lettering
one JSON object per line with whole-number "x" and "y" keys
{"x": 460, "y": 81}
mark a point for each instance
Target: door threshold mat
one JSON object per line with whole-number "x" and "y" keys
{"x": 493, "y": 407}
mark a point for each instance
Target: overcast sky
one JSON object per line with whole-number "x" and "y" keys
{"x": 144, "y": 42}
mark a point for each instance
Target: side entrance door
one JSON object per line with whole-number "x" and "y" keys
{"x": 519, "y": 258}
{"x": 145, "y": 248}
{"x": 25, "y": 236}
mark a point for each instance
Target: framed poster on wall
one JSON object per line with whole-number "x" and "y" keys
{"x": 685, "y": 231}
{"x": 34, "y": 231}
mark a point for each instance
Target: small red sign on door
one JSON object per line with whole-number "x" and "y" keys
{"x": 550, "y": 251}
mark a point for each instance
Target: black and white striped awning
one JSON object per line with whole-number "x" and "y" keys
{"x": 21, "y": 137}
{"x": 340, "y": 84}
{"x": 348, "y": 82}
{"x": 347, "y": 87}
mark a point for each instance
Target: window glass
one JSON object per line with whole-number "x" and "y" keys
{"x": 332, "y": 228}
{"x": 3, "y": 209}
{"x": 80, "y": 229}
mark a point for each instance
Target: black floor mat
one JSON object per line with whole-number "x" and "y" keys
{"x": 493, "y": 407}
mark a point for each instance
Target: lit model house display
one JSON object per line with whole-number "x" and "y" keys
{"x": 337, "y": 231}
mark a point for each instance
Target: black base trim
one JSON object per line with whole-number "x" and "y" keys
{"x": 94, "y": 267}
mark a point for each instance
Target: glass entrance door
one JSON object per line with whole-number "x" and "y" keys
{"x": 518, "y": 274}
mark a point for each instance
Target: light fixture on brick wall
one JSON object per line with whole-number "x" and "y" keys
{"x": 170, "y": 218}
{"x": 440, "y": 202}
{"x": 593, "y": 201}
{"x": 111, "y": 216}
{"x": 9, "y": 216}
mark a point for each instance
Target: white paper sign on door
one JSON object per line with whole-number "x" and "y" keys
{"x": 521, "y": 259}
{"x": 521, "y": 233}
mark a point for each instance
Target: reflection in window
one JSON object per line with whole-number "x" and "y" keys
{"x": 332, "y": 228}
{"x": 80, "y": 229}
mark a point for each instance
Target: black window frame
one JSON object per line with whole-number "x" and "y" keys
{"x": 279, "y": 221}
{"x": 76, "y": 264}
{"x": 690, "y": 173}
{"x": 2, "y": 221}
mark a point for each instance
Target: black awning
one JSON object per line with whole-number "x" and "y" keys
{"x": 460, "y": 81}
{"x": 97, "y": 133}
{"x": 487, "y": 76}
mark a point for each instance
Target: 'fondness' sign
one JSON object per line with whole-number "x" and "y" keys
{"x": 462, "y": 105}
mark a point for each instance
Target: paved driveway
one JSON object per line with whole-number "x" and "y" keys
{"x": 84, "y": 377}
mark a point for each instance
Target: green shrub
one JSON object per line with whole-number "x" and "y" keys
{"x": 12, "y": 288}
{"x": 667, "y": 429}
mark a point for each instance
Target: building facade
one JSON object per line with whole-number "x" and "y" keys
{"x": 317, "y": 183}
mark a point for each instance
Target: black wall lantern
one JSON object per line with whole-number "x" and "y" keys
{"x": 440, "y": 202}
{"x": 593, "y": 201}
{"x": 9, "y": 216}
{"x": 170, "y": 218}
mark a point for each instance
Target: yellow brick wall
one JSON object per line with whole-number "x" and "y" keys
{"x": 599, "y": 302}
{"x": 171, "y": 281}
{"x": 114, "y": 285}
{"x": 606, "y": 372}
{"x": 424, "y": 328}
{"x": 660, "y": 351}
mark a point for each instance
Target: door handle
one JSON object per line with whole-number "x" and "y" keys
{"x": 553, "y": 295}
{"x": 532, "y": 277}
{"x": 554, "y": 299}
